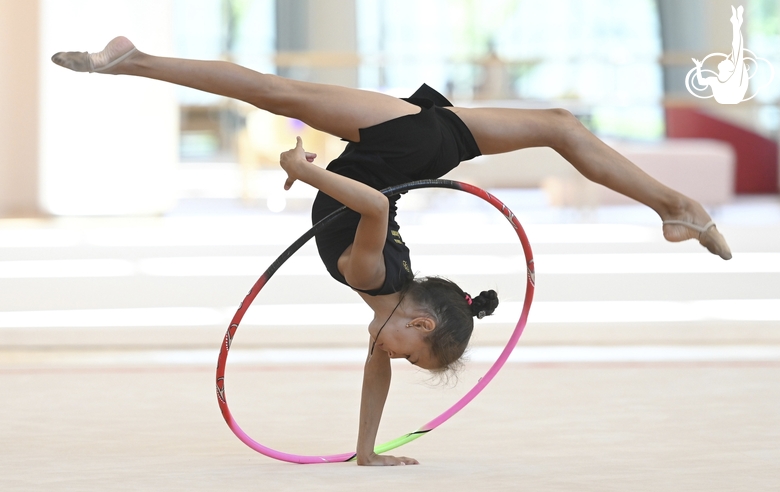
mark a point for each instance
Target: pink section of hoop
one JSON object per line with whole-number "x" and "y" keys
{"x": 446, "y": 415}
{"x": 519, "y": 327}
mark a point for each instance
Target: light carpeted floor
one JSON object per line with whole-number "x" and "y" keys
{"x": 645, "y": 366}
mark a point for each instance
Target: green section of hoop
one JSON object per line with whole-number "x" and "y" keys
{"x": 396, "y": 443}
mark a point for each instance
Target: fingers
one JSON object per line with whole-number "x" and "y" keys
{"x": 402, "y": 460}
{"x": 299, "y": 145}
{"x": 309, "y": 156}
{"x": 387, "y": 460}
{"x": 290, "y": 159}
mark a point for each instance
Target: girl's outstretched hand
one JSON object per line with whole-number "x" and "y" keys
{"x": 294, "y": 162}
{"x": 386, "y": 460}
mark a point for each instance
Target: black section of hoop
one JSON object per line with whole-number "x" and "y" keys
{"x": 322, "y": 224}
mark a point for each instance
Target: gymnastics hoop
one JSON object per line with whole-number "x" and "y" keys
{"x": 447, "y": 414}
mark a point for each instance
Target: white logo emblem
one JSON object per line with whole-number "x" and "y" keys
{"x": 730, "y": 84}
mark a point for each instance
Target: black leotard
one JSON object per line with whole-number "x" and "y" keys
{"x": 425, "y": 145}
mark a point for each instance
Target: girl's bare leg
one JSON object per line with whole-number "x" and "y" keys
{"x": 504, "y": 130}
{"x": 339, "y": 111}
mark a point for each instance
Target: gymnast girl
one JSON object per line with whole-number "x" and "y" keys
{"x": 391, "y": 141}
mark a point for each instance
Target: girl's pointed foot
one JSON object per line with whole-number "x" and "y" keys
{"x": 707, "y": 234}
{"x": 107, "y": 61}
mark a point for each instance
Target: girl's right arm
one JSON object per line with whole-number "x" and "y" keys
{"x": 376, "y": 384}
{"x": 364, "y": 267}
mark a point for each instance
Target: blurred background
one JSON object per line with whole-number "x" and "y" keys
{"x": 124, "y": 193}
{"x": 84, "y": 145}
{"x": 103, "y": 178}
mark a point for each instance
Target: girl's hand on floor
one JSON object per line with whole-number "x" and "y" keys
{"x": 386, "y": 460}
{"x": 294, "y": 162}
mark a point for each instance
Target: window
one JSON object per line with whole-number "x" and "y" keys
{"x": 599, "y": 58}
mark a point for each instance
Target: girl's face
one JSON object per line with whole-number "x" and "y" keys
{"x": 407, "y": 341}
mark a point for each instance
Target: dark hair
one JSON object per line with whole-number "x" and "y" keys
{"x": 448, "y": 305}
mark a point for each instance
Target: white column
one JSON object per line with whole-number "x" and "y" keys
{"x": 320, "y": 26}
{"x": 19, "y": 108}
{"x": 332, "y": 28}
{"x": 108, "y": 145}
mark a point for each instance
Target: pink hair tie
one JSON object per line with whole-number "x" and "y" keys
{"x": 468, "y": 299}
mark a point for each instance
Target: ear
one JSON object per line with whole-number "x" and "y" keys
{"x": 423, "y": 323}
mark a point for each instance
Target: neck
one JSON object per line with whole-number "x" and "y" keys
{"x": 382, "y": 306}
{"x": 379, "y": 332}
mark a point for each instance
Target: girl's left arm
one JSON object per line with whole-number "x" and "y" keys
{"x": 365, "y": 265}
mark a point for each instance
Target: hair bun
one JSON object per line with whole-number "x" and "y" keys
{"x": 484, "y": 304}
